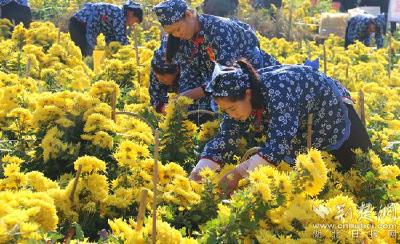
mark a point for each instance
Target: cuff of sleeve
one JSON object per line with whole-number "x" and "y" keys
{"x": 242, "y": 169}
{"x": 252, "y": 163}
{"x": 266, "y": 158}
{"x": 209, "y": 163}
{"x": 209, "y": 159}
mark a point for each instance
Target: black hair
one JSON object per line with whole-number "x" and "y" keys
{"x": 138, "y": 12}
{"x": 172, "y": 69}
{"x": 257, "y": 99}
{"x": 222, "y": 8}
{"x": 173, "y": 44}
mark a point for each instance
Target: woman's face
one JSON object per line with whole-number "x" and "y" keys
{"x": 371, "y": 28}
{"x": 131, "y": 19}
{"x": 238, "y": 110}
{"x": 183, "y": 29}
{"x": 167, "y": 79}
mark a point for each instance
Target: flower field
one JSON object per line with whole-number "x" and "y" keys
{"x": 73, "y": 166}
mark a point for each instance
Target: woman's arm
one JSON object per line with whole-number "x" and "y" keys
{"x": 195, "y": 93}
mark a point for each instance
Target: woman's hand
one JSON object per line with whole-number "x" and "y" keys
{"x": 195, "y": 176}
{"x": 230, "y": 181}
{"x": 203, "y": 163}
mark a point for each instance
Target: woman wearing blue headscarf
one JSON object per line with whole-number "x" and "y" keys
{"x": 207, "y": 38}
{"x": 360, "y": 28}
{"x": 108, "y": 19}
{"x": 276, "y": 101}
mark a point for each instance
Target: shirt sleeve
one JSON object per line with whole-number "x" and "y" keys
{"x": 228, "y": 40}
{"x": 284, "y": 122}
{"x": 190, "y": 79}
{"x": 223, "y": 146}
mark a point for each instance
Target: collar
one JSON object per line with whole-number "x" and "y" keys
{"x": 198, "y": 40}
{"x": 257, "y": 113}
{"x": 201, "y": 33}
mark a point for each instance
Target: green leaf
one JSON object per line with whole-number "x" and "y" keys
{"x": 280, "y": 199}
{"x": 55, "y": 236}
{"x": 79, "y": 232}
{"x": 370, "y": 176}
{"x": 196, "y": 218}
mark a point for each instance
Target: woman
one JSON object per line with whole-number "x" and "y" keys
{"x": 109, "y": 19}
{"x": 277, "y": 100}
{"x": 224, "y": 8}
{"x": 17, "y": 11}
{"x": 206, "y": 38}
{"x": 360, "y": 28}
{"x": 266, "y": 4}
{"x": 165, "y": 77}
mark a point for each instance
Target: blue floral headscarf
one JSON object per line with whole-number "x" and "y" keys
{"x": 227, "y": 81}
{"x": 132, "y": 5}
{"x": 170, "y": 11}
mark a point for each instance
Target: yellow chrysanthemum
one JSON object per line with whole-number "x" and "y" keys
{"x": 312, "y": 172}
{"x": 90, "y": 164}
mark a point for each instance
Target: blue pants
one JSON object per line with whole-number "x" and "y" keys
{"x": 358, "y": 138}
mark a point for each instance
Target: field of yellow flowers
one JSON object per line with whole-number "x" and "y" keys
{"x": 57, "y": 117}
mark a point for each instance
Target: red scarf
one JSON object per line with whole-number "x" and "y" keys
{"x": 257, "y": 114}
{"x": 199, "y": 40}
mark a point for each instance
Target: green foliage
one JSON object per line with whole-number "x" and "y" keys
{"x": 178, "y": 135}
{"x": 242, "y": 219}
{"x": 191, "y": 220}
{"x": 373, "y": 190}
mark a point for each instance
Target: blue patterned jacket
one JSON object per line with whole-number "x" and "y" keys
{"x": 290, "y": 93}
{"x": 103, "y": 18}
{"x": 357, "y": 29}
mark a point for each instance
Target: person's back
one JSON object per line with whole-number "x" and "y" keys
{"x": 96, "y": 10}
{"x": 110, "y": 20}
{"x": 371, "y": 3}
{"x": 345, "y": 5}
{"x": 223, "y": 8}
{"x": 267, "y": 4}
{"x": 101, "y": 17}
